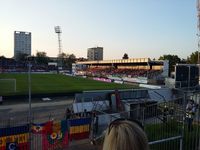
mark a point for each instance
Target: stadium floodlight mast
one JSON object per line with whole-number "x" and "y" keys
{"x": 58, "y": 31}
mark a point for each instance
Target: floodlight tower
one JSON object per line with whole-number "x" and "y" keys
{"x": 58, "y": 31}
{"x": 198, "y": 27}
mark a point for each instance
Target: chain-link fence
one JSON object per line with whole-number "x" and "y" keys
{"x": 166, "y": 124}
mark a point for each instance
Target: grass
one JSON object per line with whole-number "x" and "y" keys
{"x": 172, "y": 129}
{"x": 163, "y": 130}
{"x": 53, "y": 83}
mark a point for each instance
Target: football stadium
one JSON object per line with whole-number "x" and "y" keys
{"x": 73, "y": 100}
{"x": 130, "y": 71}
{"x": 69, "y": 109}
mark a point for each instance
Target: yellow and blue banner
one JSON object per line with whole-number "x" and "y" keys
{"x": 14, "y": 138}
{"x": 79, "y": 128}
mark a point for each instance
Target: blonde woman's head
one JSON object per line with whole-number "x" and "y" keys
{"x": 125, "y": 135}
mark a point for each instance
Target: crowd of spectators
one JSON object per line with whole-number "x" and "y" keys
{"x": 70, "y": 114}
{"x": 11, "y": 65}
{"x": 133, "y": 73}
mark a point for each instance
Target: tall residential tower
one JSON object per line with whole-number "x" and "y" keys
{"x": 95, "y": 53}
{"x": 22, "y": 43}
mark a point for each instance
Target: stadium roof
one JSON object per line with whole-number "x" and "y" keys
{"x": 121, "y": 61}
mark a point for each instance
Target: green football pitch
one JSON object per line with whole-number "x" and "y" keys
{"x": 51, "y": 83}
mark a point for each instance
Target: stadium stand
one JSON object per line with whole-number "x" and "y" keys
{"x": 105, "y": 72}
{"x": 129, "y": 68}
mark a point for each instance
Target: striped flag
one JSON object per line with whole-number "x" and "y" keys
{"x": 41, "y": 128}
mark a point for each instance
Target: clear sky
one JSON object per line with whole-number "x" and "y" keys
{"x": 140, "y": 28}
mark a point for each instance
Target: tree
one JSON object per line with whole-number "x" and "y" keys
{"x": 62, "y": 59}
{"x": 41, "y": 58}
{"x": 125, "y": 56}
{"x": 71, "y": 58}
{"x": 21, "y": 57}
{"x": 62, "y": 55}
{"x": 173, "y": 60}
{"x": 2, "y": 56}
{"x": 193, "y": 58}
{"x": 67, "y": 59}
{"x": 81, "y": 59}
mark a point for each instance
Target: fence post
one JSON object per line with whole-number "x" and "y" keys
{"x": 181, "y": 143}
{"x": 183, "y": 124}
{"x": 91, "y": 129}
{"x": 198, "y": 119}
{"x": 143, "y": 115}
{"x": 50, "y": 117}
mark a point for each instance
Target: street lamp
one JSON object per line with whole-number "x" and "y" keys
{"x": 29, "y": 59}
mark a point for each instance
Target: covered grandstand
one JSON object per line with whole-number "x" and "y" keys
{"x": 140, "y": 70}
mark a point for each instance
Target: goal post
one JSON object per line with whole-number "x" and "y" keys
{"x": 7, "y": 85}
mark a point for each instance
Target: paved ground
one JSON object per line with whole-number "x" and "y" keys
{"x": 40, "y": 109}
{"x": 83, "y": 145}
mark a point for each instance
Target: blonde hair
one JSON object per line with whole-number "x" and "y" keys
{"x": 125, "y": 135}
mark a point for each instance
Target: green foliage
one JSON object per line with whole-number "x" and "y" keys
{"x": 2, "y": 57}
{"x": 172, "y": 129}
{"x": 170, "y": 145}
{"x": 163, "y": 130}
{"x": 173, "y": 60}
{"x": 193, "y": 58}
{"x": 21, "y": 57}
{"x": 54, "y": 83}
{"x": 70, "y": 60}
{"x": 67, "y": 60}
{"x": 41, "y": 58}
{"x": 191, "y": 140}
{"x": 125, "y": 56}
